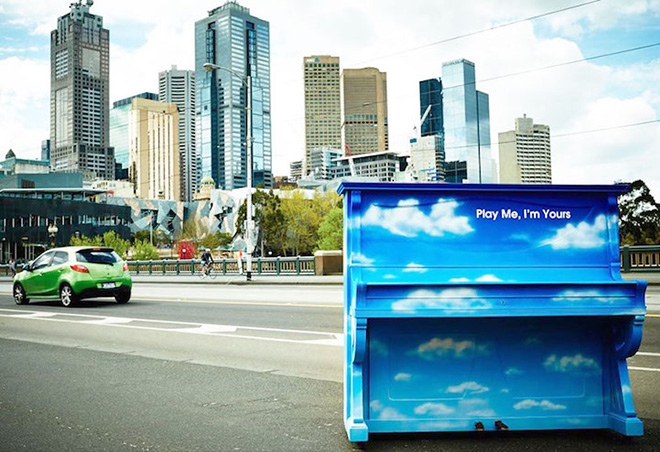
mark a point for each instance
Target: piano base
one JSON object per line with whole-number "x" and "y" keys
{"x": 530, "y": 373}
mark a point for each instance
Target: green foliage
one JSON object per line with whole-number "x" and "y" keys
{"x": 141, "y": 236}
{"x": 216, "y": 240}
{"x": 268, "y": 218}
{"x": 110, "y": 239}
{"x": 331, "y": 230}
{"x": 303, "y": 218}
{"x": 121, "y": 246}
{"x": 192, "y": 231}
{"x": 639, "y": 216}
{"x": 144, "y": 250}
{"x": 83, "y": 240}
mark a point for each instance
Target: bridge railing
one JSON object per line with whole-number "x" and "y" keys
{"x": 296, "y": 265}
{"x": 641, "y": 258}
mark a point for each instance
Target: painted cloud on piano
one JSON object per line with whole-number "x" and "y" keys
{"x": 409, "y": 218}
{"x": 584, "y": 235}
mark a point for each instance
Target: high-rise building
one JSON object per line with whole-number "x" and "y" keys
{"x": 365, "y": 111}
{"x": 466, "y": 126}
{"x": 322, "y": 105}
{"x": 525, "y": 153}
{"x": 153, "y": 162}
{"x": 79, "y": 90}
{"x": 238, "y": 44}
{"x": 178, "y": 86}
{"x": 430, "y": 107}
{"x": 45, "y": 150}
{"x": 427, "y": 159}
{"x": 119, "y": 132}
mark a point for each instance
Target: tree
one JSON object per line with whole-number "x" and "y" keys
{"x": 303, "y": 218}
{"x": 83, "y": 240}
{"x": 331, "y": 230}
{"x": 268, "y": 218}
{"x": 639, "y": 216}
{"x": 121, "y": 246}
{"x": 216, "y": 240}
{"x": 144, "y": 250}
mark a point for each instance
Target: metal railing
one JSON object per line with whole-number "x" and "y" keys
{"x": 643, "y": 258}
{"x": 298, "y": 265}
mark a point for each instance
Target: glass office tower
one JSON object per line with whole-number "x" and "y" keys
{"x": 430, "y": 107}
{"x": 466, "y": 121}
{"x": 240, "y": 45}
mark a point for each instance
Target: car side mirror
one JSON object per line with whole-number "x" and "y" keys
{"x": 28, "y": 266}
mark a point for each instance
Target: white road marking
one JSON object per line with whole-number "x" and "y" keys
{"x": 644, "y": 368}
{"x": 321, "y": 337}
{"x": 647, "y": 354}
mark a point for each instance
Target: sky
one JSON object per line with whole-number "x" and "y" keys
{"x": 594, "y": 108}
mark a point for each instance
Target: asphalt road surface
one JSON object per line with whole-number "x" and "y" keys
{"x": 250, "y": 368}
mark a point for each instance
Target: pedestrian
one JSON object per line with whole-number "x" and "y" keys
{"x": 239, "y": 261}
{"x": 12, "y": 266}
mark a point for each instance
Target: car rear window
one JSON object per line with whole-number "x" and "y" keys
{"x": 97, "y": 256}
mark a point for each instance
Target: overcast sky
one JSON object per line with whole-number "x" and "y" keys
{"x": 148, "y": 36}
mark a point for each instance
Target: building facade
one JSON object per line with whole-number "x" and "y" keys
{"x": 45, "y": 150}
{"x": 119, "y": 132}
{"x": 466, "y": 126}
{"x": 430, "y": 107}
{"x": 322, "y": 162}
{"x": 525, "y": 155}
{"x": 427, "y": 159}
{"x": 238, "y": 44}
{"x": 178, "y": 87}
{"x": 382, "y": 166}
{"x": 322, "y": 104}
{"x": 13, "y": 165}
{"x": 365, "y": 126}
{"x": 153, "y": 163}
{"x": 79, "y": 95}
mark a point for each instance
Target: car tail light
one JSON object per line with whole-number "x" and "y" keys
{"x": 80, "y": 268}
{"x": 125, "y": 267}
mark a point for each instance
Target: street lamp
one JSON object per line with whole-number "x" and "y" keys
{"x": 52, "y": 233}
{"x": 247, "y": 81}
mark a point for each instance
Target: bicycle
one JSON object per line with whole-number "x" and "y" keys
{"x": 208, "y": 272}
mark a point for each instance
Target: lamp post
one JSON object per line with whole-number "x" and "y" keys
{"x": 247, "y": 81}
{"x": 52, "y": 233}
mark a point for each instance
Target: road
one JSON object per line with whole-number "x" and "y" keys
{"x": 199, "y": 367}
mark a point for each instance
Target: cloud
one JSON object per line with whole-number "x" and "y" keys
{"x": 483, "y": 413}
{"x": 577, "y": 363}
{"x": 582, "y": 236}
{"x": 435, "y": 409}
{"x": 512, "y": 371}
{"x": 407, "y": 219}
{"x": 361, "y": 259}
{"x": 488, "y": 278}
{"x": 455, "y": 298}
{"x": 386, "y": 413}
{"x": 579, "y": 295}
{"x": 402, "y": 377}
{"x": 471, "y": 386}
{"x": 544, "y": 405}
{"x": 415, "y": 268}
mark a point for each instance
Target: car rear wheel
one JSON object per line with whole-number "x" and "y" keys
{"x": 123, "y": 297}
{"x": 68, "y": 297}
{"x": 19, "y": 294}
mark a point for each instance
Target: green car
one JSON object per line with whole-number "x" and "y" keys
{"x": 73, "y": 273}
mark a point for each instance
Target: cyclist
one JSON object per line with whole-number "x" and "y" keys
{"x": 207, "y": 260}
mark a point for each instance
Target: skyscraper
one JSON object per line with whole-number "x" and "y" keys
{"x": 365, "y": 111}
{"x": 322, "y": 105}
{"x": 178, "y": 86}
{"x": 79, "y": 90}
{"x": 239, "y": 44}
{"x": 525, "y": 153}
{"x": 466, "y": 126}
{"x": 119, "y": 139}
{"x": 430, "y": 107}
{"x": 153, "y": 161}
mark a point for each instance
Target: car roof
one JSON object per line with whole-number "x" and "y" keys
{"x": 80, "y": 248}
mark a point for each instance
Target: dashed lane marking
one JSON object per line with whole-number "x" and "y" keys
{"x": 233, "y": 331}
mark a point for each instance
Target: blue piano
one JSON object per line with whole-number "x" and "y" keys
{"x": 476, "y": 307}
